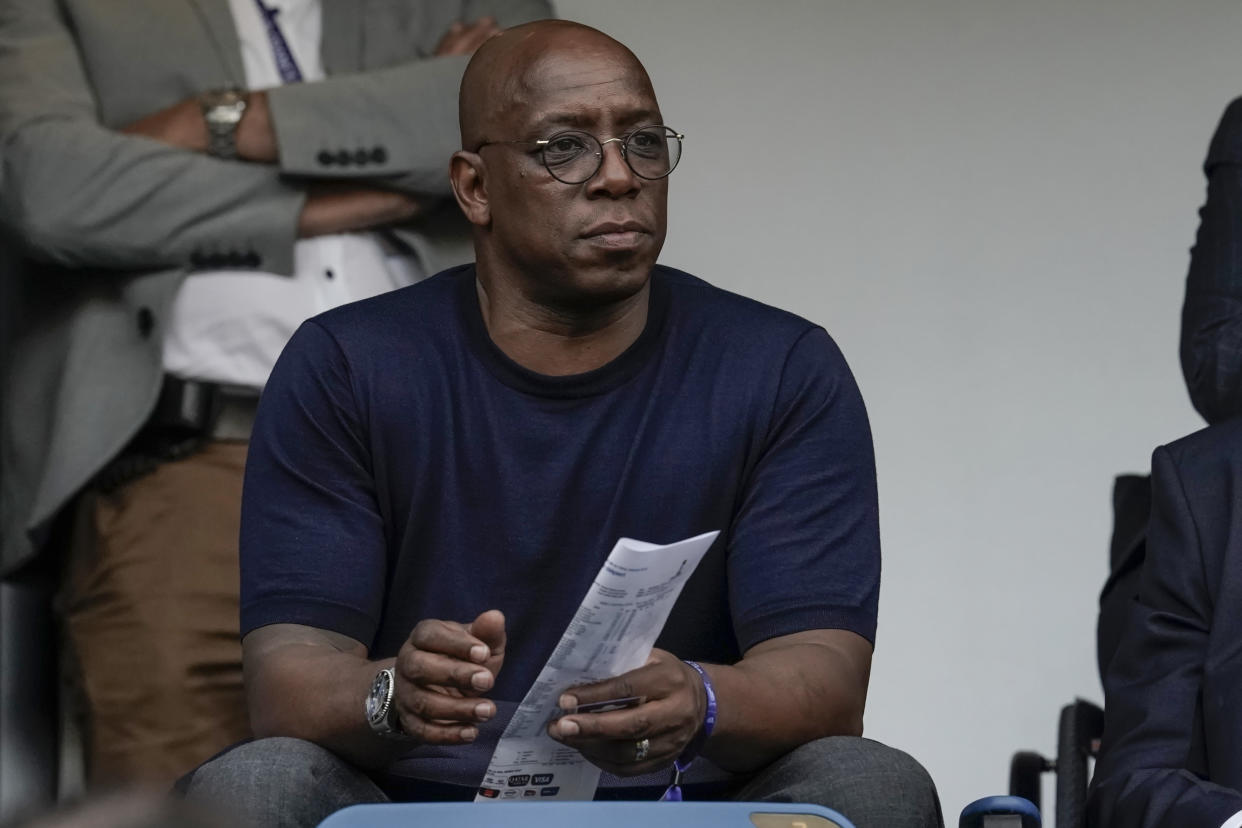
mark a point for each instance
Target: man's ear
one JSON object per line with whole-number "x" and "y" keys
{"x": 467, "y": 174}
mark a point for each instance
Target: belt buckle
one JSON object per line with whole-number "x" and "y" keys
{"x": 186, "y": 405}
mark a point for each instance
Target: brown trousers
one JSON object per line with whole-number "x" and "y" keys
{"x": 150, "y": 607}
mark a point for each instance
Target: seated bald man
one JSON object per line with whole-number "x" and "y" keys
{"x": 436, "y": 476}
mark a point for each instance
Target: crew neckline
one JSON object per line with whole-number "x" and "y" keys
{"x": 590, "y": 383}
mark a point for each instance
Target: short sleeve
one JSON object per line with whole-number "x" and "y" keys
{"x": 312, "y": 538}
{"x": 805, "y": 545}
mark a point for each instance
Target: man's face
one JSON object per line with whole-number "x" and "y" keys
{"x": 575, "y": 245}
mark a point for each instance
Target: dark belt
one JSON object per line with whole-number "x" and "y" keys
{"x": 187, "y": 416}
{"x": 206, "y": 410}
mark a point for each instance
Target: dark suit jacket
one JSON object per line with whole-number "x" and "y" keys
{"x": 1172, "y": 750}
{"x": 1131, "y": 511}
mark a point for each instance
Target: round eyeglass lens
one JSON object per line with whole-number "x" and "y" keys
{"x": 572, "y": 157}
{"x": 653, "y": 152}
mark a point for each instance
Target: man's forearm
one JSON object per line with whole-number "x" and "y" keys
{"x": 340, "y": 209}
{"x": 328, "y": 208}
{"x": 256, "y": 137}
{"x": 312, "y": 684}
{"x": 305, "y": 686}
{"x": 802, "y": 687}
{"x": 183, "y": 125}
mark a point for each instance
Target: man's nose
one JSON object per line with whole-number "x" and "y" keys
{"x": 614, "y": 177}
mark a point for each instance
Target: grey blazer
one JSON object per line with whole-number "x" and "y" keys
{"x": 110, "y": 223}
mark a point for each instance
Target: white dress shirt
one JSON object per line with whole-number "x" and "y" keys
{"x": 228, "y": 326}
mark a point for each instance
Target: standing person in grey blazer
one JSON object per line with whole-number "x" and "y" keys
{"x": 189, "y": 179}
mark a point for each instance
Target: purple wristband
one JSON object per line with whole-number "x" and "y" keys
{"x": 682, "y": 763}
{"x": 709, "y": 718}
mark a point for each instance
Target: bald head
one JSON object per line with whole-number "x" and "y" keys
{"x": 510, "y": 71}
{"x": 563, "y": 246}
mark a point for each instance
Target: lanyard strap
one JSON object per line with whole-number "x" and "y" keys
{"x": 285, "y": 63}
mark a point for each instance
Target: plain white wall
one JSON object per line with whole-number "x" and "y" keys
{"x": 989, "y": 205}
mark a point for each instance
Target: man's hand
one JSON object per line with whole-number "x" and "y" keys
{"x": 331, "y": 208}
{"x": 669, "y": 717}
{"x": 442, "y": 670}
{"x": 464, "y": 38}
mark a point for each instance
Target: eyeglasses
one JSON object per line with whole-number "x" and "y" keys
{"x": 574, "y": 156}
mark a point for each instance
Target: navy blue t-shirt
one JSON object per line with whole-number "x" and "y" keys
{"x": 402, "y": 468}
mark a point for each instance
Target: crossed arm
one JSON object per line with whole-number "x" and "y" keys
{"x": 312, "y": 684}
{"x": 329, "y": 207}
{"x": 85, "y": 193}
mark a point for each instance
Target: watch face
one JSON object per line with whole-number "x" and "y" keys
{"x": 377, "y": 702}
{"x": 224, "y": 107}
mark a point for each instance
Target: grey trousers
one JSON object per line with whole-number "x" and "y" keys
{"x": 289, "y": 783}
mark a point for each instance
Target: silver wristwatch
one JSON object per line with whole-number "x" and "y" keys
{"x": 381, "y": 712}
{"x": 222, "y": 110}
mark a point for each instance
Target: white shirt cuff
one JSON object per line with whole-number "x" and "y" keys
{"x": 1234, "y": 821}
